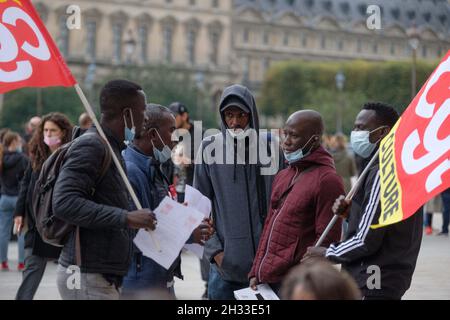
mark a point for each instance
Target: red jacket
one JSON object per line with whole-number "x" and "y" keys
{"x": 292, "y": 227}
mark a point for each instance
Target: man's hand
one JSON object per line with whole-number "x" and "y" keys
{"x": 142, "y": 219}
{"x": 314, "y": 252}
{"x": 18, "y": 221}
{"x": 341, "y": 207}
{"x": 203, "y": 232}
{"x": 219, "y": 258}
{"x": 253, "y": 283}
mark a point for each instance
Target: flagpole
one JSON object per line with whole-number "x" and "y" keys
{"x": 91, "y": 114}
{"x": 348, "y": 198}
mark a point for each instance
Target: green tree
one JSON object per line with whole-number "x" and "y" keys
{"x": 20, "y": 105}
{"x": 295, "y": 85}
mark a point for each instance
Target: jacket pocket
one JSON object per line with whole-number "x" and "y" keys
{"x": 238, "y": 258}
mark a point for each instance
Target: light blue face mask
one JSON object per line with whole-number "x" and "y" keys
{"x": 360, "y": 142}
{"x": 164, "y": 155}
{"x": 19, "y": 149}
{"x": 129, "y": 133}
{"x": 297, "y": 155}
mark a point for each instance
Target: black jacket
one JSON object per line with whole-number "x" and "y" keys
{"x": 24, "y": 209}
{"x": 13, "y": 169}
{"x": 394, "y": 248}
{"x": 106, "y": 242}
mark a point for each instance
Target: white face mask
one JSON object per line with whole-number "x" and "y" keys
{"x": 129, "y": 133}
{"x": 165, "y": 154}
{"x": 238, "y": 133}
{"x": 297, "y": 155}
{"x": 360, "y": 142}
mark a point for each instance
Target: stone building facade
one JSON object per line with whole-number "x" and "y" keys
{"x": 225, "y": 41}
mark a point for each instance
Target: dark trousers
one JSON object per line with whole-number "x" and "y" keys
{"x": 446, "y": 211}
{"x": 219, "y": 289}
{"x": 32, "y": 275}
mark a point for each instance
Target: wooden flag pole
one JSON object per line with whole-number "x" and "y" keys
{"x": 348, "y": 197}
{"x": 91, "y": 114}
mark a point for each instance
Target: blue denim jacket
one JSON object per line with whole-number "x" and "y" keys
{"x": 151, "y": 187}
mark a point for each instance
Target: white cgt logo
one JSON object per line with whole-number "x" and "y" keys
{"x": 9, "y": 48}
{"x": 435, "y": 147}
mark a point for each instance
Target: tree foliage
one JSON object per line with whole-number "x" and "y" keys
{"x": 294, "y": 85}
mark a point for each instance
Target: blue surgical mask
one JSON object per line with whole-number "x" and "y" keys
{"x": 360, "y": 142}
{"x": 162, "y": 156}
{"x": 129, "y": 133}
{"x": 297, "y": 155}
{"x": 19, "y": 149}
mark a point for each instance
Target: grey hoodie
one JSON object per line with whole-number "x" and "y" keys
{"x": 239, "y": 196}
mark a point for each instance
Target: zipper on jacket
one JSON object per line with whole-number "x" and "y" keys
{"x": 271, "y": 230}
{"x": 249, "y": 211}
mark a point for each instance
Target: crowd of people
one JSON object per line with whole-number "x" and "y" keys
{"x": 263, "y": 226}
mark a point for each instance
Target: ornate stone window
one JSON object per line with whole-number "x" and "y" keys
{"x": 215, "y": 30}
{"x": 118, "y": 22}
{"x": 168, "y": 25}
{"x": 192, "y": 28}
{"x": 91, "y": 21}
{"x": 144, "y": 24}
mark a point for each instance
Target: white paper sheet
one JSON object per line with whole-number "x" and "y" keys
{"x": 197, "y": 200}
{"x": 263, "y": 292}
{"x": 175, "y": 225}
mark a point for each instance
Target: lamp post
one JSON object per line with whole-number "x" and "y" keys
{"x": 130, "y": 47}
{"x": 414, "y": 41}
{"x": 200, "y": 84}
{"x": 340, "y": 81}
{"x": 90, "y": 80}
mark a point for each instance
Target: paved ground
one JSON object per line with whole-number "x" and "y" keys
{"x": 430, "y": 280}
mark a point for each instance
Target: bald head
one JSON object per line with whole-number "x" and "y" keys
{"x": 308, "y": 120}
{"x": 303, "y": 129}
{"x": 32, "y": 124}
{"x": 85, "y": 121}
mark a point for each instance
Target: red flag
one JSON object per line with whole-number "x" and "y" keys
{"x": 28, "y": 55}
{"x": 415, "y": 156}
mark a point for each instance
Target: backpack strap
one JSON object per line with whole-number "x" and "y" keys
{"x": 77, "y": 247}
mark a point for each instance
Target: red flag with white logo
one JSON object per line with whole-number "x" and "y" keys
{"x": 415, "y": 156}
{"x": 28, "y": 54}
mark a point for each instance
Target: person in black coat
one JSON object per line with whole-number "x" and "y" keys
{"x": 54, "y": 131}
{"x": 12, "y": 167}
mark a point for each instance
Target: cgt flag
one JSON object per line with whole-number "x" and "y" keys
{"x": 415, "y": 156}
{"x": 28, "y": 55}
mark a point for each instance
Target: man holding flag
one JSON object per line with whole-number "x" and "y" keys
{"x": 410, "y": 166}
{"x": 30, "y": 58}
{"x": 382, "y": 261}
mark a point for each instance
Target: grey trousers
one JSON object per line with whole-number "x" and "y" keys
{"x": 84, "y": 286}
{"x": 32, "y": 275}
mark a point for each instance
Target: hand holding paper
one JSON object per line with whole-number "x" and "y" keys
{"x": 175, "y": 225}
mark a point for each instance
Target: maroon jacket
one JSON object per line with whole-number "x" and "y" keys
{"x": 292, "y": 227}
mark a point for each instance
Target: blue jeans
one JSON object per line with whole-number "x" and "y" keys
{"x": 7, "y": 206}
{"x": 146, "y": 277}
{"x": 219, "y": 289}
{"x": 446, "y": 211}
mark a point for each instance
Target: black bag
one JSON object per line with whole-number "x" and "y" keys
{"x": 52, "y": 230}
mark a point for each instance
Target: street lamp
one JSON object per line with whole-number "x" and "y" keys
{"x": 130, "y": 47}
{"x": 414, "y": 41}
{"x": 89, "y": 80}
{"x": 340, "y": 81}
{"x": 200, "y": 84}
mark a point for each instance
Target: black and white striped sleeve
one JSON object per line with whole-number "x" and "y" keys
{"x": 366, "y": 241}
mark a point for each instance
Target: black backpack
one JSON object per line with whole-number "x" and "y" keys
{"x": 52, "y": 230}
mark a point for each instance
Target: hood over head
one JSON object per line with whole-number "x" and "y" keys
{"x": 242, "y": 98}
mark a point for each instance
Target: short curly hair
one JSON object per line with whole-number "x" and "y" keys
{"x": 385, "y": 113}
